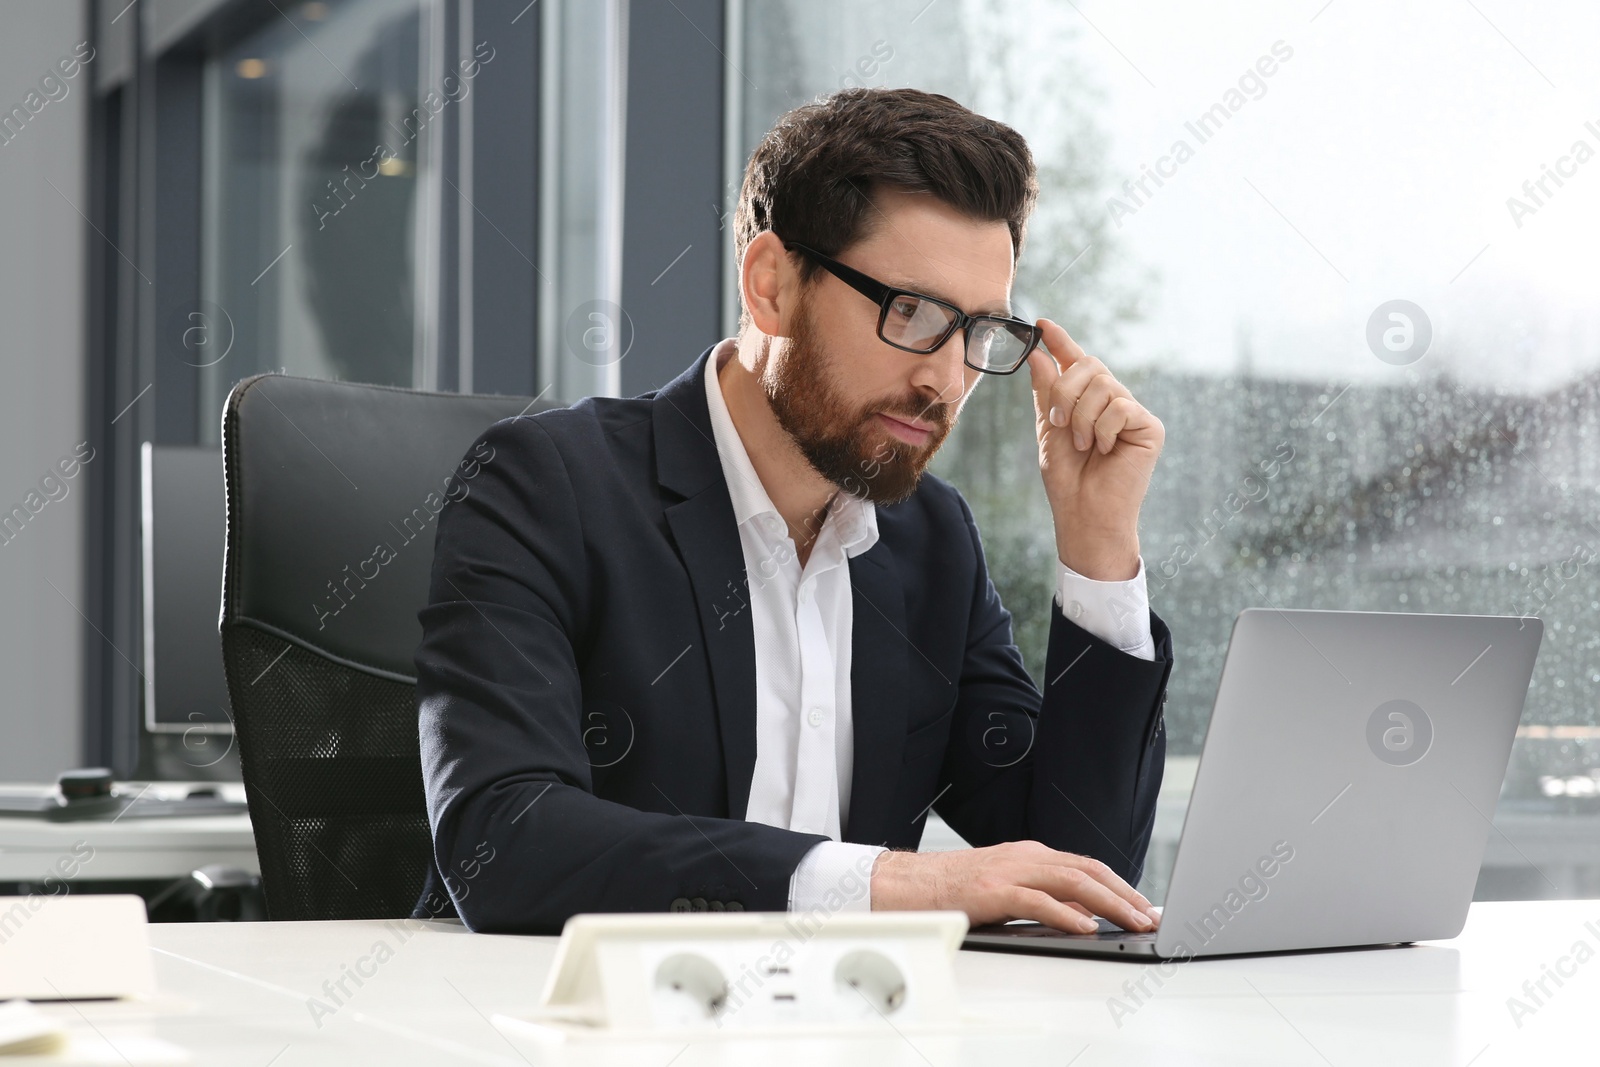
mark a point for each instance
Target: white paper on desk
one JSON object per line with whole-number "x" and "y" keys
{"x": 74, "y": 947}
{"x": 31, "y": 1037}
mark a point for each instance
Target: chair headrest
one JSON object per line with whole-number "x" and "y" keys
{"x": 334, "y": 491}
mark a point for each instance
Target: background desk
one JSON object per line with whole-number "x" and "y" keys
{"x": 128, "y": 849}
{"x": 239, "y": 994}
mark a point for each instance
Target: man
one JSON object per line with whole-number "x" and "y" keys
{"x": 725, "y": 645}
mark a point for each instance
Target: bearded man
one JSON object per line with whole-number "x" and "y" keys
{"x": 724, "y": 646}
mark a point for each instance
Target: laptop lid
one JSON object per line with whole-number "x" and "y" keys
{"x": 1347, "y": 780}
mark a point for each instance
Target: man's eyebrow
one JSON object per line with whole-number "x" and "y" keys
{"x": 1003, "y": 308}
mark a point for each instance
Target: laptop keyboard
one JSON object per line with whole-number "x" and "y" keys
{"x": 1106, "y": 931}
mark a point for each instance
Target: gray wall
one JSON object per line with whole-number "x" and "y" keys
{"x": 42, "y": 310}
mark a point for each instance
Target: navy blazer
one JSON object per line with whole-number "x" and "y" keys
{"x": 587, "y": 685}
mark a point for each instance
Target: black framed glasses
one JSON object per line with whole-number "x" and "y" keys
{"x": 915, "y": 322}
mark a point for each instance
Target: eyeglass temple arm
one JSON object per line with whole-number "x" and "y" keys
{"x": 870, "y": 288}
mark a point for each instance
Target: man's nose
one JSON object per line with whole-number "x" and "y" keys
{"x": 941, "y": 374}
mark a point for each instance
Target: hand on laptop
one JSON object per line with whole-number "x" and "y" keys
{"x": 1016, "y": 880}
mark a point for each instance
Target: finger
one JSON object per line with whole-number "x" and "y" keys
{"x": 1105, "y": 876}
{"x": 1043, "y": 373}
{"x": 1074, "y": 382}
{"x": 1077, "y": 884}
{"x": 1023, "y": 902}
{"x": 1101, "y": 391}
{"x": 1056, "y": 353}
{"x": 1128, "y": 421}
{"x": 1121, "y": 418}
{"x": 1063, "y": 349}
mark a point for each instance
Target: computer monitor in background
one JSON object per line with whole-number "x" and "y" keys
{"x": 187, "y": 714}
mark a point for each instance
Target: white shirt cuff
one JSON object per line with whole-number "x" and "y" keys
{"x": 834, "y": 876}
{"x": 1116, "y": 612}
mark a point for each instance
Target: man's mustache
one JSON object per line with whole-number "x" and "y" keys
{"x": 918, "y": 409}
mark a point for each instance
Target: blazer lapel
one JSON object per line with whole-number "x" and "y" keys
{"x": 708, "y": 541}
{"x": 879, "y": 671}
{"x": 707, "y": 538}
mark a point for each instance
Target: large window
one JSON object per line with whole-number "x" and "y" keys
{"x": 315, "y": 148}
{"x": 344, "y": 189}
{"x": 1355, "y": 280}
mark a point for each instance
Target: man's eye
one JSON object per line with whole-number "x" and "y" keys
{"x": 905, "y": 307}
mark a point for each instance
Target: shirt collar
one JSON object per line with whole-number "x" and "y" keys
{"x": 852, "y": 522}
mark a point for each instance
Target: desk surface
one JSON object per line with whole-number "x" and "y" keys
{"x": 242, "y": 994}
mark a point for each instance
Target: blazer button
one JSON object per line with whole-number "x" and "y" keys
{"x": 697, "y": 904}
{"x": 715, "y": 905}
{"x": 680, "y": 904}
{"x": 734, "y": 905}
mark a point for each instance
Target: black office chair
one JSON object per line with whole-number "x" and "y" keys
{"x": 319, "y": 625}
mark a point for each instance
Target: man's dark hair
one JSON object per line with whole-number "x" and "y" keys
{"x": 811, "y": 177}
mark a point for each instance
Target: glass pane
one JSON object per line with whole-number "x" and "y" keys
{"x": 1199, "y": 228}
{"x": 314, "y": 150}
{"x": 584, "y": 331}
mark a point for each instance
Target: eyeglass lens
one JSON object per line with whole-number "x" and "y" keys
{"x": 920, "y": 325}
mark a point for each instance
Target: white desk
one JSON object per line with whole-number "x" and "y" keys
{"x": 238, "y": 994}
{"x": 30, "y": 849}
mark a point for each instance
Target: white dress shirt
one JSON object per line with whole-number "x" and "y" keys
{"x": 802, "y": 619}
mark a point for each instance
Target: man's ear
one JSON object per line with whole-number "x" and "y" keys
{"x": 763, "y": 278}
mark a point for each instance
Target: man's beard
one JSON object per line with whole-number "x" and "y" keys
{"x": 845, "y": 442}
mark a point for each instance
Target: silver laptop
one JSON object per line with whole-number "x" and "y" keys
{"x": 1344, "y": 791}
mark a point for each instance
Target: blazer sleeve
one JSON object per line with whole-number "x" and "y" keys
{"x": 506, "y": 776}
{"x": 1076, "y": 767}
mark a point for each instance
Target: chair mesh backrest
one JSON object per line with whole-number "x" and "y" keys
{"x": 330, "y": 757}
{"x": 324, "y": 700}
